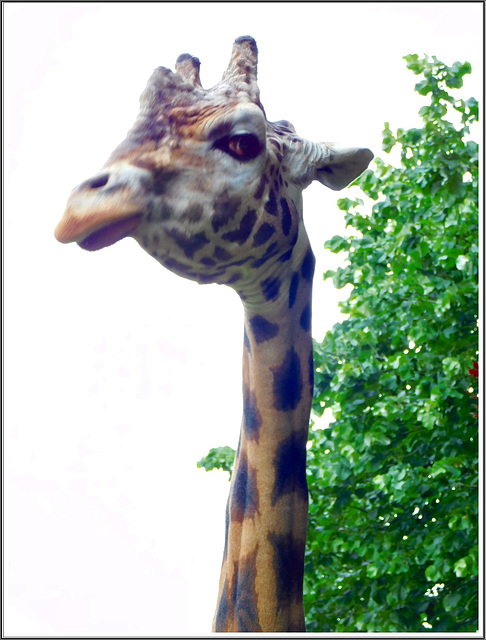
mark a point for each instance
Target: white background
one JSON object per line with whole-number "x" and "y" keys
{"x": 120, "y": 376}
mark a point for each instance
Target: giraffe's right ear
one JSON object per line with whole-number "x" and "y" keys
{"x": 337, "y": 167}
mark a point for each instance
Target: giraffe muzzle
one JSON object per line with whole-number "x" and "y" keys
{"x": 105, "y": 208}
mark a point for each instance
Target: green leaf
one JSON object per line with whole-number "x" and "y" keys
{"x": 460, "y": 568}
{"x": 388, "y": 139}
{"x": 451, "y": 601}
{"x": 432, "y": 573}
{"x": 219, "y": 458}
{"x": 423, "y": 87}
{"x": 451, "y": 366}
{"x": 337, "y": 244}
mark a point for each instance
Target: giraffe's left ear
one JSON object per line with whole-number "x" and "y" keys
{"x": 337, "y": 167}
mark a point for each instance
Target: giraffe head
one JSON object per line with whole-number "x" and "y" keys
{"x": 203, "y": 181}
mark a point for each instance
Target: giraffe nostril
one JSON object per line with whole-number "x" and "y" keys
{"x": 98, "y": 182}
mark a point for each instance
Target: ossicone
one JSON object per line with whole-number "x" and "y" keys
{"x": 242, "y": 68}
{"x": 188, "y": 67}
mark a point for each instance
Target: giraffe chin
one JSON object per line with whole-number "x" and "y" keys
{"x": 110, "y": 234}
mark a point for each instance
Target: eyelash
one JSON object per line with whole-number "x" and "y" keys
{"x": 242, "y": 147}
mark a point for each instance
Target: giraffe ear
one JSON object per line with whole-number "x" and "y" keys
{"x": 337, "y": 167}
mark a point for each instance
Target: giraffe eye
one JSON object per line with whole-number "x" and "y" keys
{"x": 243, "y": 146}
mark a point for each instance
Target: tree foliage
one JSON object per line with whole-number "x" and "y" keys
{"x": 392, "y": 542}
{"x": 393, "y": 518}
{"x": 221, "y": 458}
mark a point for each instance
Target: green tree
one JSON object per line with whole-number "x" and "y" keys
{"x": 392, "y": 542}
{"x": 393, "y": 479}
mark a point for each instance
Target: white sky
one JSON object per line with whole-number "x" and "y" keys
{"x": 120, "y": 376}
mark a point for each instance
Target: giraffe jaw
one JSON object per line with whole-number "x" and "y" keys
{"x": 111, "y": 233}
{"x": 94, "y": 231}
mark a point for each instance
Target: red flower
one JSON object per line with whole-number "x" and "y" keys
{"x": 474, "y": 371}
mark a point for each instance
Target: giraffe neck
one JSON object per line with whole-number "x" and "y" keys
{"x": 262, "y": 572}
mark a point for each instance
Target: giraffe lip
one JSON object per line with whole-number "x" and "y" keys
{"x": 110, "y": 233}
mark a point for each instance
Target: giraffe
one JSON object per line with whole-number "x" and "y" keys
{"x": 213, "y": 191}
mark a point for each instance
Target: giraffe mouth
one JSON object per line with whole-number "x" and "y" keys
{"x": 111, "y": 233}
